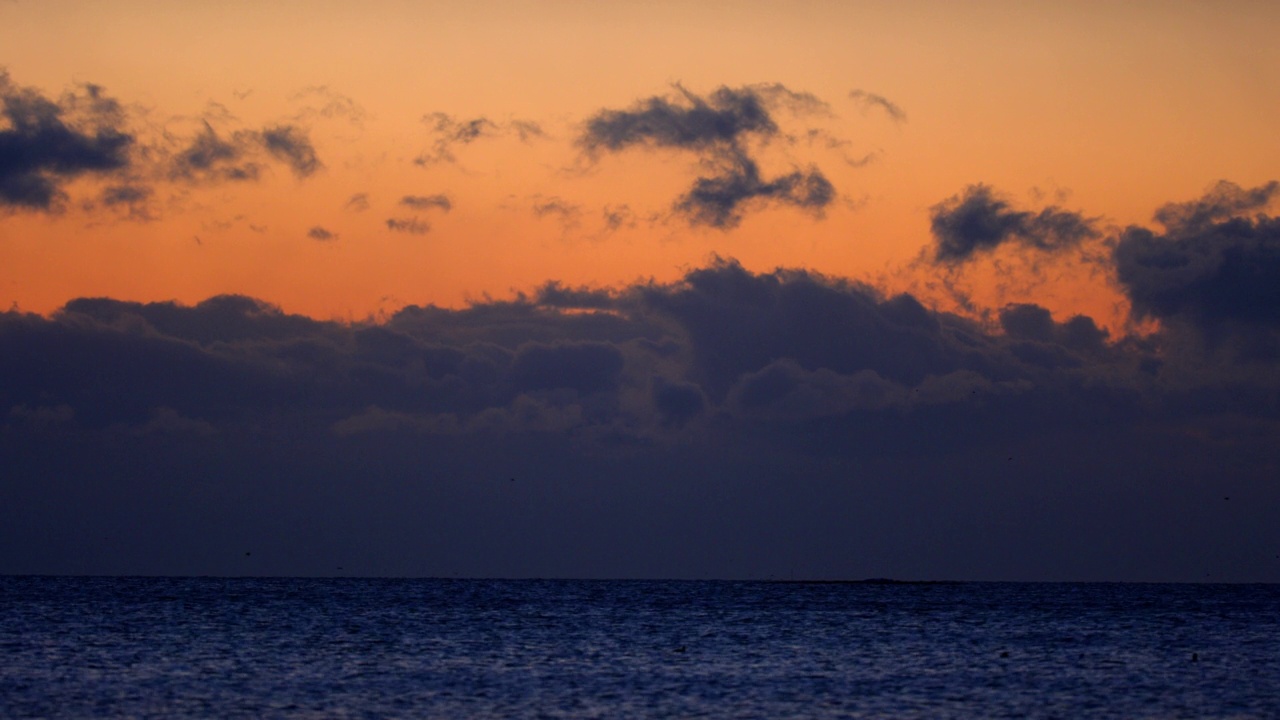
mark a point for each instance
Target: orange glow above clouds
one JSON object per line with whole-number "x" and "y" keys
{"x": 1109, "y": 109}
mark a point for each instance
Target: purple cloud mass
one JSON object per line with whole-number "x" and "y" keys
{"x": 730, "y": 424}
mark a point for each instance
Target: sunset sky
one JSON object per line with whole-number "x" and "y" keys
{"x": 1111, "y": 109}
{"x": 1008, "y": 179}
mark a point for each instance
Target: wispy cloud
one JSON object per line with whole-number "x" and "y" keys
{"x": 358, "y": 202}
{"x": 448, "y": 133}
{"x": 411, "y": 225}
{"x": 321, "y": 234}
{"x": 869, "y": 100}
{"x": 427, "y": 202}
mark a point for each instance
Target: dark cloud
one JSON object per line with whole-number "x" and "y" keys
{"x": 1211, "y": 271}
{"x": 582, "y": 366}
{"x": 730, "y": 423}
{"x": 290, "y": 145}
{"x": 868, "y": 100}
{"x": 321, "y": 234}
{"x": 412, "y": 226}
{"x": 211, "y": 157}
{"x": 45, "y": 143}
{"x": 978, "y": 221}
{"x": 427, "y": 202}
{"x": 784, "y": 391}
{"x": 1223, "y": 201}
{"x": 739, "y": 322}
{"x": 555, "y": 295}
{"x": 449, "y": 133}
{"x": 719, "y": 128}
{"x": 677, "y": 403}
{"x": 1031, "y": 322}
{"x": 220, "y": 319}
{"x": 687, "y": 121}
{"x": 719, "y": 200}
{"x": 214, "y": 157}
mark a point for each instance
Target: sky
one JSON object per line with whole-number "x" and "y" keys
{"x": 568, "y": 289}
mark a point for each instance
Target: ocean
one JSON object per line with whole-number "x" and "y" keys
{"x": 437, "y": 648}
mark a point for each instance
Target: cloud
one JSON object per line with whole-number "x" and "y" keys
{"x": 869, "y": 100}
{"x": 321, "y": 234}
{"x": 569, "y": 213}
{"x": 617, "y": 217}
{"x": 526, "y": 130}
{"x": 41, "y": 416}
{"x": 978, "y": 221}
{"x": 555, "y": 295}
{"x": 1223, "y": 201}
{"x": 45, "y": 143}
{"x": 166, "y": 421}
{"x": 719, "y": 128}
{"x": 427, "y": 202}
{"x": 739, "y": 322}
{"x": 211, "y": 156}
{"x": 677, "y": 403}
{"x": 357, "y": 203}
{"x": 449, "y": 133}
{"x": 582, "y": 366}
{"x": 1031, "y": 322}
{"x": 333, "y": 105}
{"x": 412, "y": 226}
{"x": 785, "y": 391}
{"x": 720, "y": 200}
{"x": 290, "y": 145}
{"x": 686, "y": 121}
{"x": 133, "y": 198}
{"x": 125, "y": 194}
{"x": 785, "y": 346}
{"x": 1212, "y": 270}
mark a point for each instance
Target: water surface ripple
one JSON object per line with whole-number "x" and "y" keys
{"x": 170, "y": 647}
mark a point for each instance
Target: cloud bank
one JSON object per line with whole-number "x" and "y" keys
{"x": 731, "y": 423}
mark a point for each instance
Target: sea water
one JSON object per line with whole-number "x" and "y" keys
{"x": 168, "y": 647}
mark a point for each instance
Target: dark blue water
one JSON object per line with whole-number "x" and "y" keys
{"x": 99, "y": 647}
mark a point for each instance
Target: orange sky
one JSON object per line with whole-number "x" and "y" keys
{"x": 1110, "y": 109}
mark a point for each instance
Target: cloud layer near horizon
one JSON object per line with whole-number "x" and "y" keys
{"x": 731, "y": 423}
